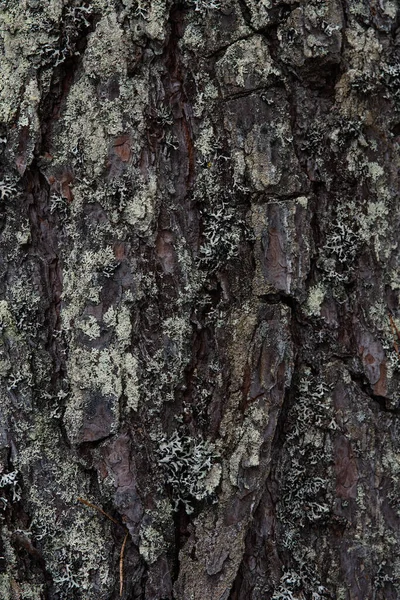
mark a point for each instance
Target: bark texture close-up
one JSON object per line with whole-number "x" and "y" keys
{"x": 199, "y": 299}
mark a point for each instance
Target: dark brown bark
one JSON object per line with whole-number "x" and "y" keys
{"x": 199, "y": 300}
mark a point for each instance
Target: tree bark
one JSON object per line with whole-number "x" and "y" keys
{"x": 200, "y": 347}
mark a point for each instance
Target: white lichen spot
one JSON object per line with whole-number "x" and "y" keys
{"x": 303, "y": 201}
{"x": 23, "y": 236}
{"x": 131, "y": 382}
{"x": 106, "y": 51}
{"x": 82, "y": 270}
{"x": 246, "y": 64}
{"x": 6, "y": 318}
{"x": 151, "y": 544}
{"x": 390, "y": 8}
{"x": 96, "y": 369}
{"x": 90, "y": 124}
{"x": 123, "y": 328}
{"x": 90, "y": 327}
{"x": 374, "y": 226}
{"x": 139, "y": 210}
{"x": 315, "y": 299}
{"x": 213, "y": 478}
{"x": 375, "y": 170}
{"x": 110, "y": 317}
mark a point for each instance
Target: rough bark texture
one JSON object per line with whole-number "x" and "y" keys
{"x": 199, "y": 280}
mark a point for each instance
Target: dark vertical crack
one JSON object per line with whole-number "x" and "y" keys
{"x": 175, "y": 88}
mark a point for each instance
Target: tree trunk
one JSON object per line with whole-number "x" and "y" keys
{"x": 199, "y": 307}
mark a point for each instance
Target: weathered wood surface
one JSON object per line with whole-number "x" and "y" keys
{"x": 199, "y": 228}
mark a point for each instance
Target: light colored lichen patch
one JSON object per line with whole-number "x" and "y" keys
{"x": 96, "y": 369}
{"x": 390, "y": 8}
{"x": 152, "y": 541}
{"x": 259, "y": 10}
{"x": 154, "y": 24}
{"x": 312, "y": 31}
{"x": 93, "y": 372}
{"x": 106, "y": 50}
{"x": 68, "y": 531}
{"x": 365, "y": 45}
{"x": 90, "y": 327}
{"x": 79, "y": 278}
{"x": 152, "y": 544}
{"x": 139, "y": 210}
{"x": 25, "y": 36}
{"x": 315, "y": 299}
{"x": 246, "y": 64}
{"x": 6, "y": 317}
{"x": 261, "y": 134}
{"x": 87, "y": 127}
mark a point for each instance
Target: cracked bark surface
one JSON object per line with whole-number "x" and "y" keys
{"x": 199, "y": 281}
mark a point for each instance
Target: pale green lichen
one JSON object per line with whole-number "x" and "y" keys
{"x": 123, "y": 328}
{"x": 106, "y": 52}
{"x": 315, "y": 299}
{"x": 245, "y": 58}
{"x": 152, "y": 544}
{"x": 303, "y": 201}
{"x": 23, "y": 236}
{"x": 70, "y": 537}
{"x": 102, "y": 368}
{"x": 110, "y": 317}
{"x": 205, "y": 99}
{"x": 177, "y": 330}
{"x": 25, "y": 35}
{"x": 391, "y": 462}
{"x": 6, "y": 317}
{"x": 82, "y": 270}
{"x": 390, "y": 9}
{"x": 260, "y": 15}
{"x": 375, "y": 170}
{"x": 131, "y": 382}
{"x": 154, "y": 25}
{"x": 90, "y": 124}
{"x": 91, "y": 371}
{"x": 152, "y": 532}
{"x": 89, "y": 326}
{"x": 206, "y": 142}
{"x": 5, "y": 586}
{"x": 139, "y": 210}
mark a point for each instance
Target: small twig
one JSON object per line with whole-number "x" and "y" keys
{"x": 100, "y": 510}
{"x": 121, "y": 555}
{"x": 121, "y": 564}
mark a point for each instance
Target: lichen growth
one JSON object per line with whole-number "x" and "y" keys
{"x": 315, "y": 299}
{"x": 187, "y": 463}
